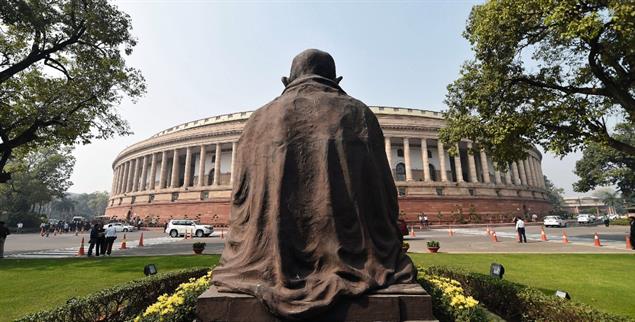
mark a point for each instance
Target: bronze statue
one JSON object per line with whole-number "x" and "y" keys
{"x": 314, "y": 206}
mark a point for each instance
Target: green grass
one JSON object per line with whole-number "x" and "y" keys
{"x": 30, "y": 285}
{"x": 603, "y": 281}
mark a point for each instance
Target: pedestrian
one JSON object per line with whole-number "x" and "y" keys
{"x": 111, "y": 235}
{"x": 47, "y": 229}
{"x": 93, "y": 241}
{"x": 66, "y": 227}
{"x": 139, "y": 222}
{"x": 4, "y": 232}
{"x": 631, "y": 218}
{"x": 20, "y": 226}
{"x": 101, "y": 239}
{"x": 425, "y": 221}
{"x": 520, "y": 228}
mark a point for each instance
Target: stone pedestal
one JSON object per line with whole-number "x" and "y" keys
{"x": 393, "y": 304}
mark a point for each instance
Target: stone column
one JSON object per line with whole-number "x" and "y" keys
{"x": 144, "y": 173}
{"x": 471, "y": 163}
{"x": 201, "y": 166}
{"x": 388, "y": 148}
{"x": 114, "y": 181}
{"x": 508, "y": 175}
{"x": 188, "y": 166}
{"x": 441, "y": 151}
{"x": 135, "y": 175}
{"x": 406, "y": 157}
{"x": 497, "y": 174}
{"x": 123, "y": 185}
{"x": 153, "y": 171}
{"x": 537, "y": 172}
{"x": 485, "y": 167}
{"x": 515, "y": 173}
{"x": 231, "y": 169}
{"x": 174, "y": 183}
{"x": 534, "y": 179}
{"x": 164, "y": 170}
{"x": 542, "y": 176}
{"x": 457, "y": 165}
{"x": 425, "y": 161}
{"x": 217, "y": 164}
{"x": 523, "y": 173}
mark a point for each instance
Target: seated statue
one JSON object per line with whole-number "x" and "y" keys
{"x": 314, "y": 205}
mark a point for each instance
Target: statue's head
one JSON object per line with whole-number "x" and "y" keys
{"x": 312, "y": 62}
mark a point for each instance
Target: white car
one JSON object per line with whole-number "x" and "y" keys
{"x": 179, "y": 227}
{"x": 554, "y": 221}
{"x": 585, "y": 219}
{"x": 120, "y": 227}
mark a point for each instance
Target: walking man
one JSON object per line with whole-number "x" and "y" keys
{"x": 520, "y": 227}
{"x": 4, "y": 232}
{"x": 93, "y": 241}
{"x": 631, "y": 218}
{"x": 111, "y": 235}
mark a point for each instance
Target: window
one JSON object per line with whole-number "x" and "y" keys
{"x": 204, "y": 195}
{"x": 429, "y": 154}
{"x": 175, "y": 196}
{"x": 400, "y": 153}
{"x": 150, "y": 198}
{"x": 498, "y": 192}
{"x": 439, "y": 191}
{"x": 120, "y": 200}
{"x": 400, "y": 172}
{"x": 401, "y": 191}
{"x": 381, "y": 108}
{"x": 470, "y": 191}
{"x": 133, "y": 199}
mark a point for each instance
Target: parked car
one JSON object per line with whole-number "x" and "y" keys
{"x": 179, "y": 227}
{"x": 119, "y": 226}
{"x": 554, "y": 221}
{"x": 585, "y": 219}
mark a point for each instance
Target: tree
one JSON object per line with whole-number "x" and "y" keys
{"x": 603, "y": 166}
{"x": 62, "y": 72}
{"x": 611, "y": 199}
{"x": 545, "y": 73}
{"x": 555, "y": 196}
{"x": 39, "y": 176}
{"x": 90, "y": 205}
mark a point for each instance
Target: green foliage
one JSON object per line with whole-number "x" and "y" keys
{"x": 449, "y": 302}
{"x": 90, "y": 205}
{"x": 433, "y": 243}
{"x": 120, "y": 303}
{"x": 40, "y": 175}
{"x": 555, "y": 197}
{"x": 545, "y": 73}
{"x": 198, "y": 245}
{"x": 620, "y": 222}
{"x": 516, "y": 302}
{"x": 62, "y": 73}
{"x": 603, "y": 166}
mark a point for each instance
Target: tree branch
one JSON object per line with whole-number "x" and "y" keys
{"x": 565, "y": 89}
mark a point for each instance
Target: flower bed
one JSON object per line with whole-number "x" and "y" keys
{"x": 517, "y": 302}
{"x": 120, "y": 303}
{"x": 449, "y": 301}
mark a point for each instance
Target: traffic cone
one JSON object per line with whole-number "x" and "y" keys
{"x": 222, "y": 233}
{"x": 628, "y": 243}
{"x": 141, "y": 240}
{"x": 543, "y": 236}
{"x": 81, "y": 249}
{"x": 123, "y": 243}
{"x": 494, "y": 238}
{"x": 565, "y": 240}
{"x": 596, "y": 240}
{"x": 412, "y": 231}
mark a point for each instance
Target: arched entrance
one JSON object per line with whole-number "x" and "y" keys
{"x": 400, "y": 172}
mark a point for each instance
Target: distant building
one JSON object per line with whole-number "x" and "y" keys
{"x": 584, "y": 205}
{"x": 186, "y": 172}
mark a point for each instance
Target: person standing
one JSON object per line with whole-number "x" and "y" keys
{"x": 101, "y": 240}
{"x": 631, "y": 218}
{"x": 93, "y": 241}
{"x": 20, "y": 226}
{"x": 4, "y": 232}
{"x": 520, "y": 228}
{"x": 111, "y": 235}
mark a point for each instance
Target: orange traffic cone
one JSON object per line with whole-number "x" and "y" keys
{"x": 565, "y": 240}
{"x": 596, "y": 240}
{"x": 543, "y": 236}
{"x": 141, "y": 240}
{"x": 412, "y": 231}
{"x": 81, "y": 249}
{"x": 123, "y": 243}
{"x": 494, "y": 238}
{"x": 222, "y": 233}
{"x": 628, "y": 243}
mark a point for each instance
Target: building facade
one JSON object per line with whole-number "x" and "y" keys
{"x": 186, "y": 172}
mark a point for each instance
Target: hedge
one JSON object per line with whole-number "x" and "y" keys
{"x": 517, "y": 302}
{"x": 120, "y": 303}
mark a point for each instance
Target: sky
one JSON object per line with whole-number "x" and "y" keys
{"x": 204, "y": 58}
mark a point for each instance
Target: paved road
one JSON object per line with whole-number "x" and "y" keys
{"x": 465, "y": 240}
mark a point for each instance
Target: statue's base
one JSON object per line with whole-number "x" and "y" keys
{"x": 397, "y": 303}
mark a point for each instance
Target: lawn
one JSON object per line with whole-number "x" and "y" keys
{"x": 603, "y": 281}
{"x": 29, "y": 285}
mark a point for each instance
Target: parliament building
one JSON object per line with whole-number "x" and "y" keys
{"x": 186, "y": 172}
